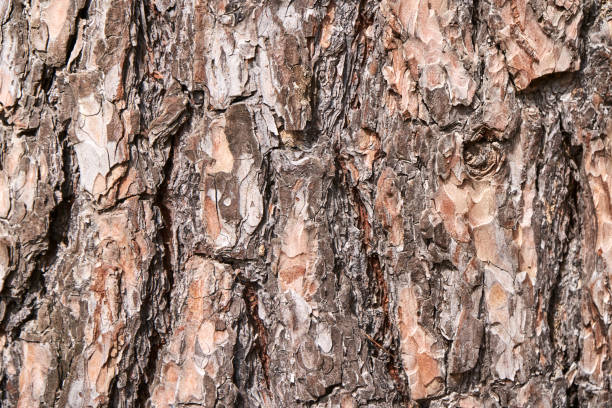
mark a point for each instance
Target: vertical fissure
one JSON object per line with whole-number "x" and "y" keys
{"x": 251, "y": 300}
{"x": 375, "y": 271}
{"x": 157, "y": 335}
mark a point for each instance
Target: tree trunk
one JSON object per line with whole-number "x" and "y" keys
{"x": 305, "y": 203}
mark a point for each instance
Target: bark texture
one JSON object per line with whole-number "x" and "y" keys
{"x": 305, "y": 203}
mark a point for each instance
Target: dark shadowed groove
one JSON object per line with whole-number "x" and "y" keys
{"x": 393, "y": 365}
{"x": 57, "y": 232}
{"x": 251, "y": 301}
{"x": 82, "y": 14}
{"x": 156, "y": 337}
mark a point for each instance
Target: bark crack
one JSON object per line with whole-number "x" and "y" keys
{"x": 168, "y": 262}
{"x": 249, "y": 294}
{"x": 394, "y": 364}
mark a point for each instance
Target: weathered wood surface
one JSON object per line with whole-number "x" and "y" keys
{"x": 305, "y": 203}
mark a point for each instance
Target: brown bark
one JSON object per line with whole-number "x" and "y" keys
{"x": 305, "y": 203}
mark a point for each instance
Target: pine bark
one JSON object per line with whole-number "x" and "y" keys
{"x": 305, "y": 203}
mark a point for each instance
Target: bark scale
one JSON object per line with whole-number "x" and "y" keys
{"x": 305, "y": 203}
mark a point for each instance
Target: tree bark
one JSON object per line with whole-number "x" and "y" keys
{"x": 305, "y": 203}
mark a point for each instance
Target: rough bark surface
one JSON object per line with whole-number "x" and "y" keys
{"x": 305, "y": 203}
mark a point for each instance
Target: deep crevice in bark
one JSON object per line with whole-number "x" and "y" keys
{"x": 375, "y": 271}
{"x": 82, "y": 14}
{"x": 59, "y": 223}
{"x": 167, "y": 266}
{"x": 249, "y": 294}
